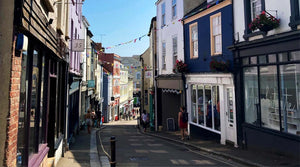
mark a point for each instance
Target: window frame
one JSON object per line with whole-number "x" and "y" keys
{"x": 174, "y": 49}
{"x": 192, "y": 56}
{"x": 174, "y": 10}
{"x": 279, "y": 63}
{"x": 247, "y": 19}
{"x": 212, "y": 39}
{"x": 163, "y": 53}
{"x": 295, "y": 14}
{"x": 163, "y": 14}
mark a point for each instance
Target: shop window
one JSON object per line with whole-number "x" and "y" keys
{"x": 253, "y": 60}
{"x": 193, "y": 103}
{"x": 268, "y": 98}
{"x": 272, "y": 58}
{"x": 205, "y": 106}
{"x": 216, "y": 34}
{"x": 262, "y": 59}
{"x": 283, "y": 57}
{"x": 201, "y": 111}
{"x": 294, "y": 56}
{"x": 272, "y": 100}
{"x": 251, "y": 94}
{"x": 193, "y": 40}
{"x": 245, "y": 61}
{"x": 290, "y": 98}
{"x": 21, "y": 152}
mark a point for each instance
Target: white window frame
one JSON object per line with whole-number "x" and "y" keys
{"x": 163, "y": 55}
{"x": 174, "y": 10}
{"x": 163, "y": 14}
{"x": 216, "y": 33}
{"x": 175, "y": 48}
{"x": 194, "y": 53}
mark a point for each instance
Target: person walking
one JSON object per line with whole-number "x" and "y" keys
{"x": 182, "y": 122}
{"x": 145, "y": 120}
{"x": 88, "y": 120}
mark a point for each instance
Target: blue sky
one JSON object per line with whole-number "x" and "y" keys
{"x": 113, "y": 22}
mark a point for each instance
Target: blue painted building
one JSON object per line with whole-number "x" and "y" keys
{"x": 208, "y": 31}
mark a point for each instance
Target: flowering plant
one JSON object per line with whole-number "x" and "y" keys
{"x": 264, "y": 22}
{"x": 219, "y": 65}
{"x": 180, "y": 66}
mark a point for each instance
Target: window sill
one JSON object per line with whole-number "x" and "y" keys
{"x": 247, "y": 36}
{"x": 37, "y": 158}
{"x": 294, "y": 24}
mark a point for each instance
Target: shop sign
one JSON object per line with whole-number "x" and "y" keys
{"x": 78, "y": 45}
{"x": 91, "y": 83}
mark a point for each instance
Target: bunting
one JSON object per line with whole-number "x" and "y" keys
{"x": 124, "y": 43}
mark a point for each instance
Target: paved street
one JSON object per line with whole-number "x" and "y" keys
{"x": 136, "y": 149}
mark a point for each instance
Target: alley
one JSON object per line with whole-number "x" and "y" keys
{"x": 136, "y": 149}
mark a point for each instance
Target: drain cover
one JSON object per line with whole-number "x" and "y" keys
{"x": 138, "y": 158}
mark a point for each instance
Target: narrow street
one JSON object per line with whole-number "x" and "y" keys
{"x": 136, "y": 149}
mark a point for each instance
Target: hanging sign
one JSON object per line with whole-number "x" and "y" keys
{"x": 78, "y": 45}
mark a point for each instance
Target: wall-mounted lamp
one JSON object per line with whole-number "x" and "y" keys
{"x": 50, "y": 22}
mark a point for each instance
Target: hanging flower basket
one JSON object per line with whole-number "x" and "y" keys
{"x": 264, "y": 22}
{"x": 180, "y": 67}
{"x": 219, "y": 66}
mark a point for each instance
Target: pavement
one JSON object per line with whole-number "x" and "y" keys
{"x": 83, "y": 152}
{"x": 77, "y": 155}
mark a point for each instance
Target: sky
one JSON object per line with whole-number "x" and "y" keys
{"x": 114, "y": 22}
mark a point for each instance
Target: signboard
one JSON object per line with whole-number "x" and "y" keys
{"x": 91, "y": 83}
{"x": 78, "y": 45}
{"x": 148, "y": 74}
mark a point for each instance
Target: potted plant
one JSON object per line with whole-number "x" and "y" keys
{"x": 180, "y": 67}
{"x": 219, "y": 66}
{"x": 264, "y": 22}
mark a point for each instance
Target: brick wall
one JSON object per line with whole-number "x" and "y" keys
{"x": 13, "y": 118}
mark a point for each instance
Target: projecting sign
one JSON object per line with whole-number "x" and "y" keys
{"x": 78, "y": 45}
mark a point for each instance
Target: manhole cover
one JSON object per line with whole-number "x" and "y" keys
{"x": 138, "y": 158}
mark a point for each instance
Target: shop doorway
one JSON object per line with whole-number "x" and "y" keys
{"x": 230, "y": 116}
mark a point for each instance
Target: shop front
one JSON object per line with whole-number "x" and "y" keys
{"x": 170, "y": 96}
{"x": 211, "y": 106}
{"x": 268, "y": 93}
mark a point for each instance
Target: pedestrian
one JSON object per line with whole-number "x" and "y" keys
{"x": 88, "y": 120}
{"x": 144, "y": 120}
{"x": 182, "y": 122}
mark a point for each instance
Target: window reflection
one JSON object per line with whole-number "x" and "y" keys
{"x": 22, "y": 109}
{"x": 193, "y": 102}
{"x": 290, "y": 98}
{"x": 200, "y": 105}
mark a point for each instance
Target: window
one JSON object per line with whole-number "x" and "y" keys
{"x": 216, "y": 34}
{"x": 193, "y": 40}
{"x": 205, "y": 106}
{"x": 251, "y": 94}
{"x": 255, "y": 8}
{"x": 252, "y": 9}
{"x": 163, "y": 14}
{"x": 295, "y": 14}
{"x": 31, "y": 129}
{"x": 174, "y": 12}
{"x": 138, "y": 75}
{"x": 175, "y": 55}
{"x": 271, "y": 90}
{"x": 164, "y": 55}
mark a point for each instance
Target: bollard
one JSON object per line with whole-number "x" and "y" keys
{"x": 113, "y": 151}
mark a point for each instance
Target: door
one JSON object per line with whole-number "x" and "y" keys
{"x": 230, "y": 116}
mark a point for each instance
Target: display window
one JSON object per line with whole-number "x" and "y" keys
{"x": 205, "y": 106}
{"x": 272, "y": 92}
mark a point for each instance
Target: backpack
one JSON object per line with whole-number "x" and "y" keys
{"x": 185, "y": 117}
